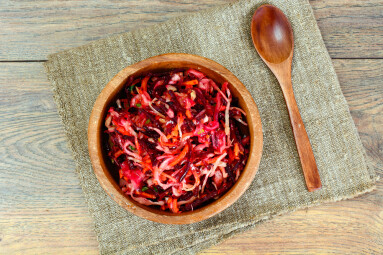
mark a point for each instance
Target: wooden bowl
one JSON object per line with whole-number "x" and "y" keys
{"x": 102, "y": 168}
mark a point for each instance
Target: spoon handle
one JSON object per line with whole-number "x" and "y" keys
{"x": 305, "y": 151}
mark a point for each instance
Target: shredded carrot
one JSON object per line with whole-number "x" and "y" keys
{"x": 167, "y": 144}
{"x": 187, "y": 134}
{"x": 144, "y": 194}
{"x": 118, "y": 153}
{"x": 169, "y": 203}
{"x": 188, "y": 114}
{"x": 122, "y": 130}
{"x": 144, "y": 83}
{"x": 236, "y": 150}
{"x": 146, "y": 169}
{"x": 190, "y": 83}
{"x": 180, "y": 157}
{"x": 175, "y": 206}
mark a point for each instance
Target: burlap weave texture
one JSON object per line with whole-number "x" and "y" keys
{"x": 223, "y": 35}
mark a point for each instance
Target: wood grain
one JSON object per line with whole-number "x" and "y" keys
{"x": 171, "y": 61}
{"x": 42, "y": 209}
{"x": 267, "y": 22}
{"x": 351, "y": 28}
{"x": 361, "y": 83}
{"x": 30, "y": 30}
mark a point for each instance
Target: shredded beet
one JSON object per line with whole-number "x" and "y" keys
{"x": 178, "y": 138}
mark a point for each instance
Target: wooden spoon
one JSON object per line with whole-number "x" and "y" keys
{"x": 273, "y": 39}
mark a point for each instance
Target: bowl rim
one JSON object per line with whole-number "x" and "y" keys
{"x": 96, "y": 121}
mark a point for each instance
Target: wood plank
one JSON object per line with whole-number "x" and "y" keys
{"x": 351, "y": 28}
{"x": 361, "y": 84}
{"x": 347, "y": 227}
{"x": 42, "y": 208}
{"x": 33, "y": 29}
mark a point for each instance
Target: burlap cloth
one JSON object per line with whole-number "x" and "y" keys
{"x": 221, "y": 34}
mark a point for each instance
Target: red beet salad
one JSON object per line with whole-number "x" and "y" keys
{"x": 179, "y": 139}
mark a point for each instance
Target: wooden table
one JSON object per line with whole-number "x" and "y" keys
{"x": 42, "y": 209}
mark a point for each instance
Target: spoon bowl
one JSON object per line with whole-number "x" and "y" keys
{"x": 272, "y": 34}
{"x": 274, "y": 41}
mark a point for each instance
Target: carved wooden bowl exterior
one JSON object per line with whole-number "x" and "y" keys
{"x": 163, "y": 62}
